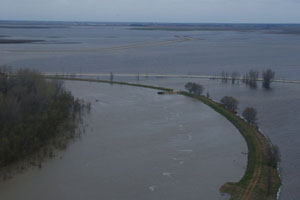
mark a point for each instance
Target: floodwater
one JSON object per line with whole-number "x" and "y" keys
{"x": 100, "y": 49}
{"x": 138, "y": 145}
{"x": 84, "y": 49}
{"x": 278, "y": 117}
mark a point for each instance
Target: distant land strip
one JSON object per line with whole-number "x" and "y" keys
{"x": 107, "y": 49}
{"x": 18, "y": 41}
{"x": 30, "y": 26}
{"x": 159, "y": 76}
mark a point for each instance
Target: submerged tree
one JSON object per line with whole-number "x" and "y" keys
{"x": 230, "y": 103}
{"x": 33, "y": 111}
{"x": 252, "y": 78}
{"x": 250, "y": 114}
{"x": 234, "y": 76}
{"x": 224, "y": 76}
{"x": 268, "y": 76}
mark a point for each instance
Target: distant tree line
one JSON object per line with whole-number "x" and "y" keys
{"x": 33, "y": 111}
{"x": 250, "y": 78}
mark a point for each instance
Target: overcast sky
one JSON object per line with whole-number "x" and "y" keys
{"x": 248, "y": 11}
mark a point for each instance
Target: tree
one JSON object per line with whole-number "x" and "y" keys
{"x": 252, "y": 78}
{"x": 230, "y": 103}
{"x": 224, "y": 76}
{"x": 268, "y": 76}
{"x": 234, "y": 76}
{"x": 197, "y": 89}
{"x": 250, "y": 114}
{"x": 34, "y": 112}
{"x": 194, "y": 88}
{"x": 188, "y": 86}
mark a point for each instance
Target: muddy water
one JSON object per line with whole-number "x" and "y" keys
{"x": 80, "y": 49}
{"x": 138, "y": 145}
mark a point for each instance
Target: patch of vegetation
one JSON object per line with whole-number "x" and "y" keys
{"x": 230, "y": 103}
{"x": 249, "y": 114}
{"x": 268, "y": 76}
{"x": 36, "y": 117}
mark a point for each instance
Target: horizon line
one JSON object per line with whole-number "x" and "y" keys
{"x": 141, "y": 22}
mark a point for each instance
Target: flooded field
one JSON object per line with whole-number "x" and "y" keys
{"x": 139, "y": 145}
{"x": 119, "y": 49}
{"x": 95, "y": 49}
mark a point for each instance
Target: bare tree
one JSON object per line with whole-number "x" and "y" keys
{"x": 230, "y": 103}
{"x": 251, "y": 78}
{"x": 244, "y": 79}
{"x": 234, "y": 76}
{"x": 250, "y": 114}
{"x": 268, "y": 76}
{"x": 224, "y": 76}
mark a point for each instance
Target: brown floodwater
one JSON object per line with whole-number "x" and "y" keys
{"x": 83, "y": 48}
{"x": 138, "y": 145}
